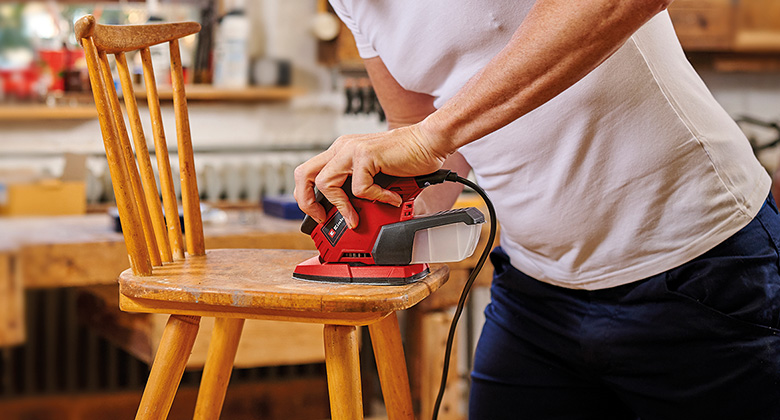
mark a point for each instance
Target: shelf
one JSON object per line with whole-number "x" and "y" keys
{"x": 211, "y": 93}
{"x": 28, "y": 112}
{"x": 31, "y": 112}
{"x": 735, "y": 62}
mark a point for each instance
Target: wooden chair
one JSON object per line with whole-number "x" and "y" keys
{"x": 230, "y": 285}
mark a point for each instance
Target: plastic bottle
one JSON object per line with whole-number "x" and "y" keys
{"x": 231, "y": 56}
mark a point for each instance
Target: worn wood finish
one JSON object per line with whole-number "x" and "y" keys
{"x": 134, "y": 238}
{"x": 144, "y": 161}
{"x": 434, "y": 330}
{"x": 170, "y": 204}
{"x": 219, "y": 366}
{"x": 194, "y": 309}
{"x": 61, "y": 251}
{"x": 42, "y": 112}
{"x": 204, "y": 92}
{"x": 282, "y": 399}
{"x": 263, "y": 342}
{"x": 343, "y": 366}
{"x": 189, "y": 185}
{"x": 114, "y": 39}
{"x": 168, "y": 367}
{"x": 759, "y": 26}
{"x": 262, "y": 279}
{"x": 12, "y": 331}
{"x": 132, "y": 169}
{"x": 391, "y": 364}
{"x": 231, "y": 285}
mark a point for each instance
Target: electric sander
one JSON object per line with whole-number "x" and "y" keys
{"x": 390, "y": 245}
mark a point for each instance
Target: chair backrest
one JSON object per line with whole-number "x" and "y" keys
{"x": 151, "y": 238}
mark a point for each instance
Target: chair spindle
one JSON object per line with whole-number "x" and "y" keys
{"x": 189, "y": 186}
{"x": 170, "y": 203}
{"x": 144, "y": 161}
{"x": 129, "y": 158}
{"x": 128, "y": 212}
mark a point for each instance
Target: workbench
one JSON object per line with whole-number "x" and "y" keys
{"x": 86, "y": 252}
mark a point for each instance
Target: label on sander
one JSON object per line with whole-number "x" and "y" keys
{"x": 334, "y": 228}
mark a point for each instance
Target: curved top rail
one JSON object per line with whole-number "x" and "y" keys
{"x": 123, "y": 38}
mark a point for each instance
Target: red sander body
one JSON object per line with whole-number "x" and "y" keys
{"x": 390, "y": 245}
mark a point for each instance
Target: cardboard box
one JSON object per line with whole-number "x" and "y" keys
{"x": 25, "y": 193}
{"x": 48, "y": 197}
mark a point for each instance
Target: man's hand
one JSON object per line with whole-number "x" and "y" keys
{"x": 406, "y": 151}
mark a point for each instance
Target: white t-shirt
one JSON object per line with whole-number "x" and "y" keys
{"x": 630, "y": 172}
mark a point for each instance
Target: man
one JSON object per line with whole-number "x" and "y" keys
{"x": 638, "y": 269}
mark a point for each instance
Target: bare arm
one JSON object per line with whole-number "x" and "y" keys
{"x": 558, "y": 43}
{"x": 404, "y": 108}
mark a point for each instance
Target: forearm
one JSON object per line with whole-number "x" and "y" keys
{"x": 558, "y": 43}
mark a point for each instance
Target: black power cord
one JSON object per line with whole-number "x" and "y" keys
{"x": 452, "y": 176}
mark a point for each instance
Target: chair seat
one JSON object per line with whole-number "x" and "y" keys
{"x": 258, "y": 283}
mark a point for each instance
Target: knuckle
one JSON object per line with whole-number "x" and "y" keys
{"x": 299, "y": 172}
{"x": 361, "y": 191}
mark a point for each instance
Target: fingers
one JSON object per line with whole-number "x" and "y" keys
{"x": 356, "y": 161}
{"x": 363, "y": 186}
{"x": 330, "y": 185}
{"x": 304, "y": 186}
{"x": 397, "y": 152}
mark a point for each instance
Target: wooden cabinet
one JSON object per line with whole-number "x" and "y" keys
{"x": 751, "y": 26}
{"x": 758, "y": 23}
{"x": 704, "y": 25}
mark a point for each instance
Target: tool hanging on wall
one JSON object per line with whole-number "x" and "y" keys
{"x": 754, "y": 143}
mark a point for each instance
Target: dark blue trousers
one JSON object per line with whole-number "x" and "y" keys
{"x": 701, "y": 341}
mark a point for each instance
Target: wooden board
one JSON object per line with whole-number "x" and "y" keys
{"x": 263, "y": 343}
{"x": 288, "y": 399}
{"x": 758, "y": 23}
{"x": 44, "y": 112}
{"x": 704, "y": 24}
{"x": 261, "y": 280}
{"x": 434, "y": 329}
{"x": 12, "y": 328}
{"x": 211, "y": 93}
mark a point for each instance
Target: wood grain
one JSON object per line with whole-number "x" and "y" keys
{"x": 262, "y": 279}
{"x": 168, "y": 367}
{"x": 12, "y": 326}
{"x": 189, "y": 185}
{"x": 263, "y": 343}
{"x": 124, "y": 38}
{"x": 391, "y": 365}
{"x": 281, "y": 399}
{"x": 343, "y": 366}
{"x": 33, "y": 112}
{"x": 434, "y": 329}
{"x": 219, "y": 366}
{"x": 170, "y": 204}
{"x": 139, "y": 201}
{"x": 203, "y": 92}
{"x": 136, "y": 246}
{"x": 144, "y": 161}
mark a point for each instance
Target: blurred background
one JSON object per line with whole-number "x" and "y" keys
{"x": 270, "y": 84}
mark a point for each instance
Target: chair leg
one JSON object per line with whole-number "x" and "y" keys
{"x": 219, "y": 366}
{"x": 168, "y": 367}
{"x": 343, "y": 366}
{"x": 391, "y": 365}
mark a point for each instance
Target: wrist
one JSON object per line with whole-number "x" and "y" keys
{"x": 434, "y": 131}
